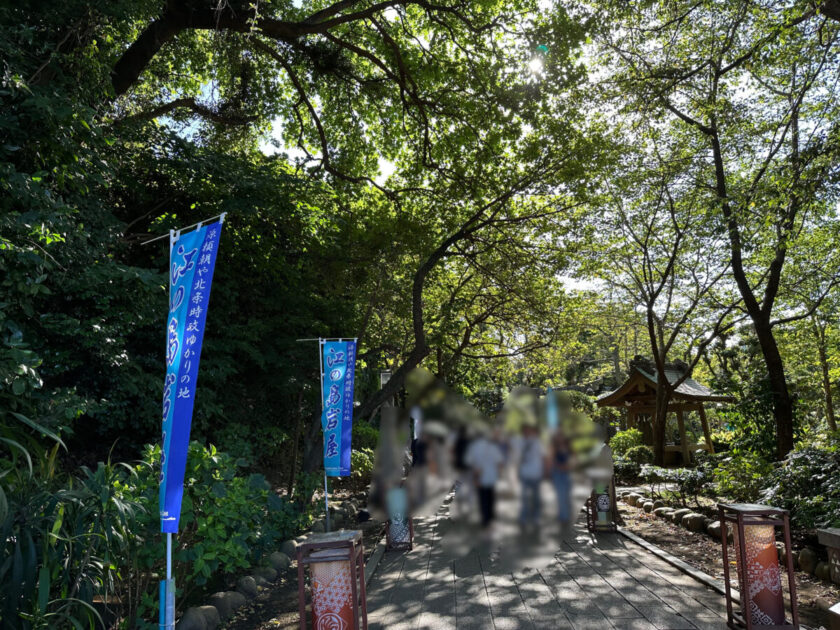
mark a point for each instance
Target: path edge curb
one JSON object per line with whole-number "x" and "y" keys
{"x": 373, "y": 561}
{"x": 700, "y": 576}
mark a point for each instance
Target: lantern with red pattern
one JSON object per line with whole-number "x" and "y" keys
{"x": 758, "y": 567}
{"x": 337, "y": 573}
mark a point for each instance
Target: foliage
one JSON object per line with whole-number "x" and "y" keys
{"x": 626, "y": 472}
{"x": 361, "y": 461}
{"x": 623, "y": 441}
{"x": 808, "y": 484}
{"x": 641, "y": 454}
{"x": 365, "y": 436}
{"x": 742, "y": 475}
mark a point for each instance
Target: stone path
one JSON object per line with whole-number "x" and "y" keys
{"x": 584, "y": 583}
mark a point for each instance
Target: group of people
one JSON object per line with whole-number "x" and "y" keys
{"x": 482, "y": 461}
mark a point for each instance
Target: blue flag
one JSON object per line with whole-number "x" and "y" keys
{"x": 337, "y": 415}
{"x": 191, "y": 263}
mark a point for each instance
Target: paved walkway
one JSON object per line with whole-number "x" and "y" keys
{"x": 588, "y": 583}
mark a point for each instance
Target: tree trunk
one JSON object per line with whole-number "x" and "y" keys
{"x": 826, "y": 382}
{"x": 660, "y": 419}
{"x": 782, "y": 401}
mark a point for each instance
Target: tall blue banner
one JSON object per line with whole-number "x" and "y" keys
{"x": 191, "y": 262}
{"x": 339, "y": 364}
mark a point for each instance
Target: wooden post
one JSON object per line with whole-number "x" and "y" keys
{"x": 631, "y": 418}
{"x": 705, "y": 424}
{"x": 683, "y": 440}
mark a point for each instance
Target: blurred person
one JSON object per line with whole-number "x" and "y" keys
{"x": 531, "y": 456}
{"x": 419, "y": 467}
{"x": 560, "y": 464}
{"x": 463, "y": 484}
{"x": 485, "y": 459}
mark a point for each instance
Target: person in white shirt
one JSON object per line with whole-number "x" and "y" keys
{"x": 485, "y": 459}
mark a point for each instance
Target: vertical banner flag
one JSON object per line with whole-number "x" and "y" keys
{"x": 192, "y": 259}
{"x": 337, "y": 415}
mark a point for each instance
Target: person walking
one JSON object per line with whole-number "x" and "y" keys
{"x": 485, "y": 459}
{"x": 561, "y": 476}
{"x": 530, "y": 475}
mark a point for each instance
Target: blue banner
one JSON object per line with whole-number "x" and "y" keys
{"x": 192, "y": 259}
{"x": 339, "y": 364}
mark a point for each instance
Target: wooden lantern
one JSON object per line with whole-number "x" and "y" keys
{"x": 337, "y": 572}
{"x": 759, "y": 571}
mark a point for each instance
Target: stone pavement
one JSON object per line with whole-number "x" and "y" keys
{"x": 584, "y": 582}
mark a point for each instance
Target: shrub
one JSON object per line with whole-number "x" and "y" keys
{"x": 808, "y": 484}
{"x": 365, "y": 436}
{"x": 640, "y": 454}
{"x": 623, "y": 441}
{"x": 742, "y": 475}
{"x": 361, "y": 462}
{"x": 626, "y": 472}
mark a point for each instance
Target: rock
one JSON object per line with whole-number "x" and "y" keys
{"x": 658, "y": 504}
{"x": 795, "y": 556}
{"x": 260, "y": 581}
{"x": 226, "y": 602}
{"x": 824, "y": 603}
{"x": 808, "y": 560}
{"x": 193, "y": 619}
{"x": 823, "y": 571}
{"x": 211, "y": 616}
{"x": 713, "y": 529}
{"x": 266, "y": 573}
{"x": 678, "y": 514}
{"x": 318, "y": 527}
{"x": 289, "y": 547}
{"x": 247, "y": 586}
{"x": 648, "y": 506}
{"x": 369, "y": 525}
{"x": 280, "y": 561}
{"x": 694, "y": 522}
{"x": 662, "y": 511}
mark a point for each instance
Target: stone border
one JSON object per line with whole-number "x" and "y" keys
{"x": 373, "y": 561}
{"x": 705, "y": 578}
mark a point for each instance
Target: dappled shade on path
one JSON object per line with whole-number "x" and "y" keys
{"x": 583, "y": 582}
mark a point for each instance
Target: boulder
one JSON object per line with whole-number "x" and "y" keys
{"x": 713, "y": 530}
{"x": 266, "y": 573}
{"x": 318, "y": 527}
{"x": 658, "y": 504}
{"x": 280, "y": 561}
{"x": 226, "y": 602}
{"x": 247, "y": 586}
{"x": 369, "y": 525}
{"x": 211, "y": 616}
{"x": 193, "y": 619}
{"x": 662, "y": 511}
{"x": 648, "y": 506}
{"x": 260, "y": 581}
{"x": 795, "y": 556}
{"x": 694, "y": 522}
{"x": 289, "y": 547}
{"x": 678, "y": 514}
{"x": 808, "y": 560}
{"x": 823, "y": 571}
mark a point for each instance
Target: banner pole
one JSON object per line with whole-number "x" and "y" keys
{"x": 168, "y": 591}
{"x": 326, "y": 493}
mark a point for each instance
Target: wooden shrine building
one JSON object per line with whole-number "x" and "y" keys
{"x": 638, "y": 396}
